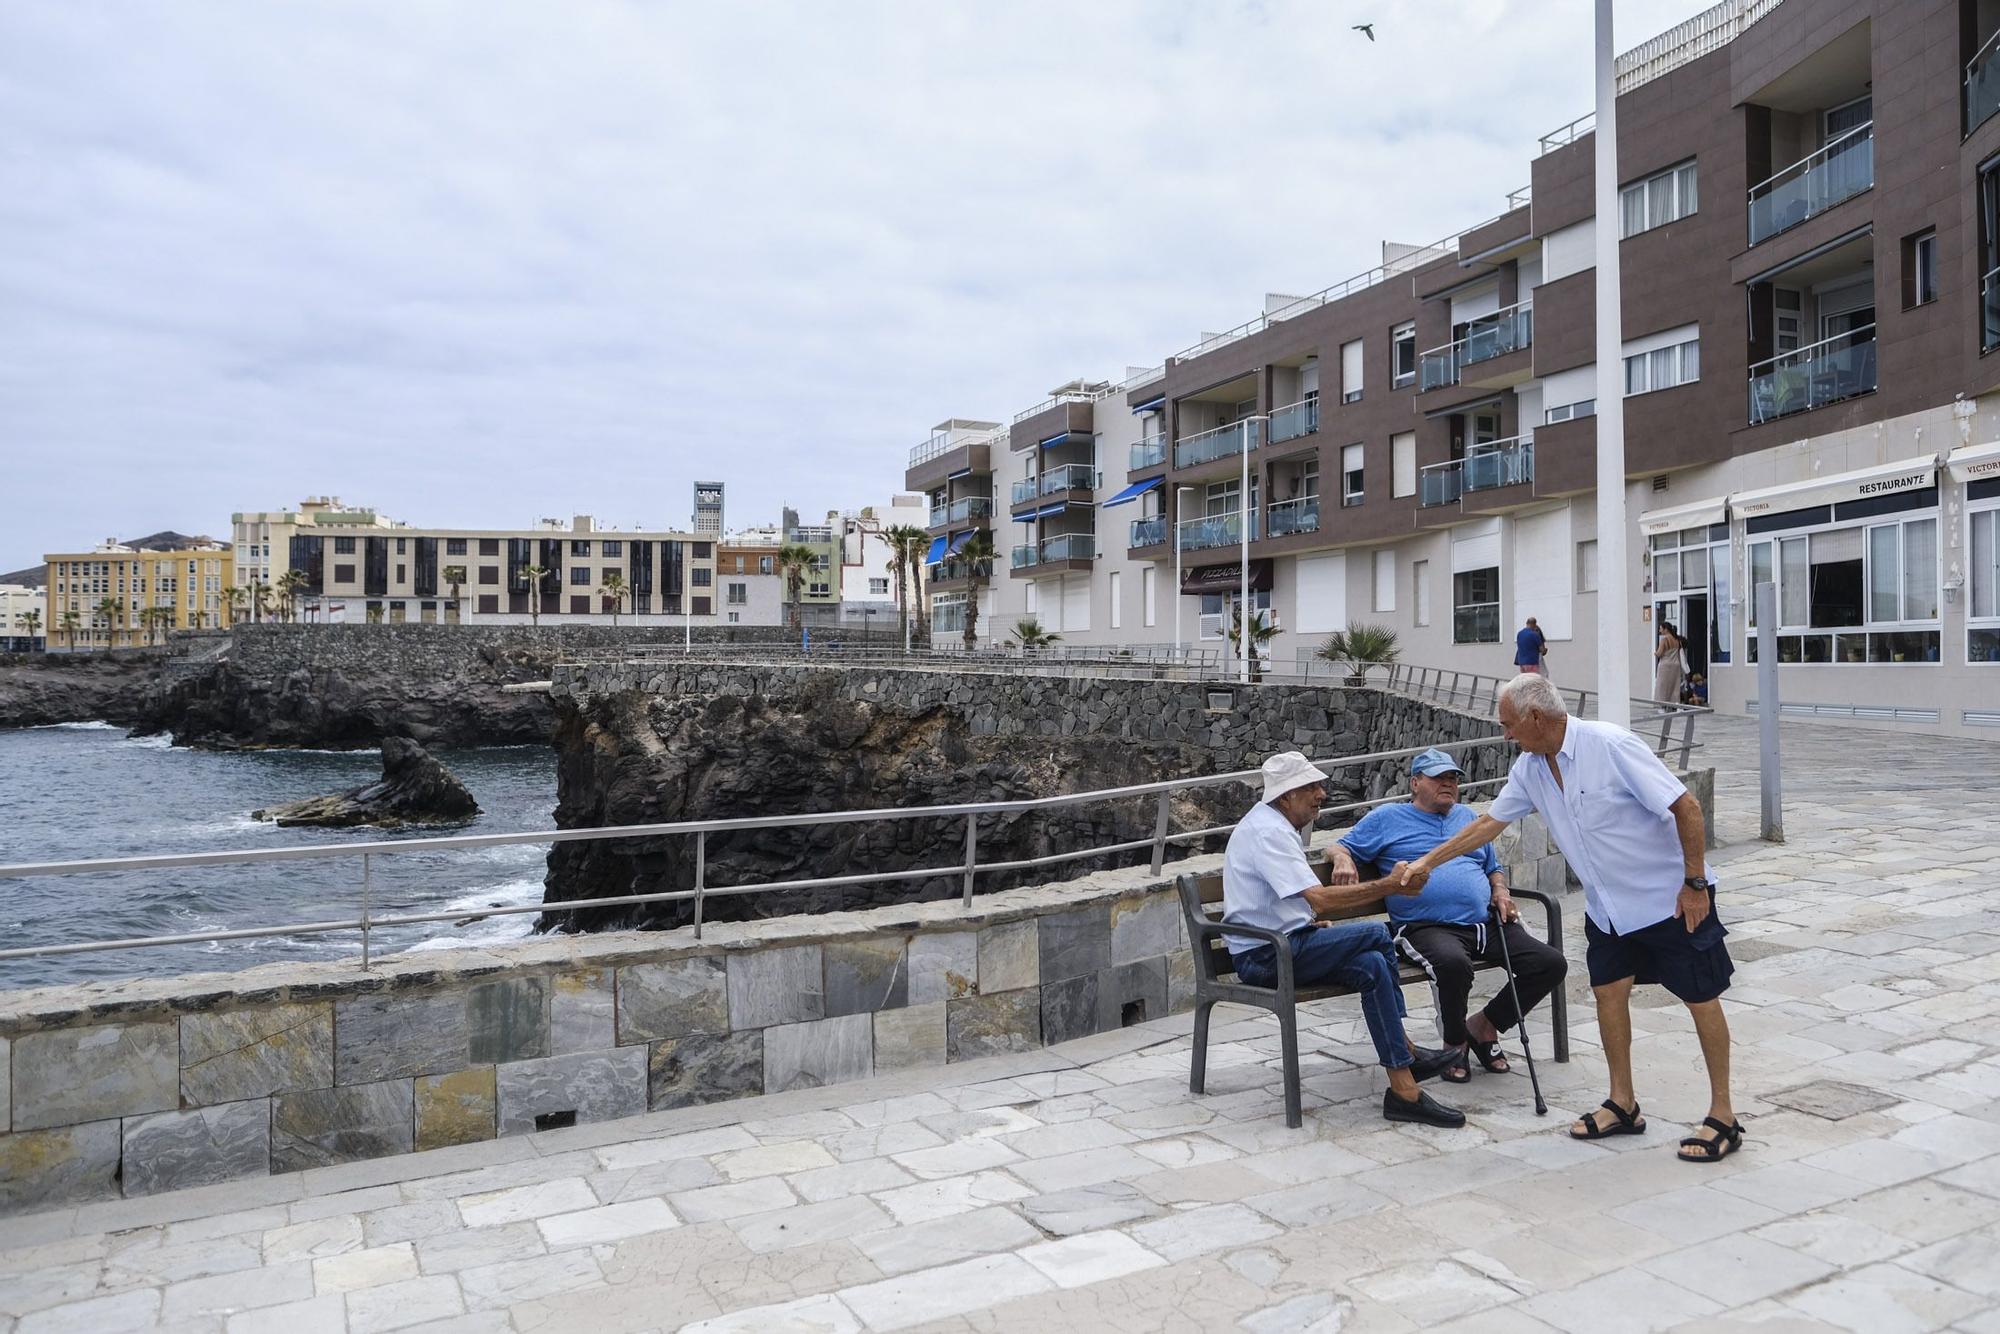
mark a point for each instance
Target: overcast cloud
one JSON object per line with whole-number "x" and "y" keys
{"x": 476, "y": 262}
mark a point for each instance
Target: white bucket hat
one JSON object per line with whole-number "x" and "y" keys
{"x": 1286, "y": 770}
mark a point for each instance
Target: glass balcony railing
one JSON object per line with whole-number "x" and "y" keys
{"x": 1069, "y": 546}
{"x": 1502, "y": 463}
{"x": 1497, "y": 334}
{"x": 1843, "y": 168}
{"x": 1294, "y": 420}
{"x": 1812, "y": 377}
{"x": 1026, "y": 490}
{"x": 1989, "y": 311}
{"x": 949, "y": 570}
{"x": 1147, "y": 453}
{"x": 958, "y": 511}
{"x": 1292, "y": 516}
{"x": 1025, "y": 555}
{"x": 1214, "y": 530}
{"x": 1222, "y": 442}
{"x": 1148, "y": 532}
{"x": 1440, "y": 483}
{"x": 1069, "y": 477}
{"x": 1982, "y": 84}
{"x": 1437, "y": 368}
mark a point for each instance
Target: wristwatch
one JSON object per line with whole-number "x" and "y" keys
{"x": 1698, "y": 883}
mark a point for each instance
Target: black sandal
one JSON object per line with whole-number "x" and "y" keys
{"x": 1628, "y": 1123}
{"x": 1458, "y": 1074}
{"x": 1713, "y": 1150}
{"x": 1491, "y": 1059}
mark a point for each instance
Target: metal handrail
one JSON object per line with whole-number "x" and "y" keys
{"x": 1810, "y": 349}
{"x": 939, "y": 445}
{"x": 1867, "y": 126}
{"x": 1251, "y": 429}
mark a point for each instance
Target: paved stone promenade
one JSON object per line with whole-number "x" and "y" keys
{"x": 1083, "y": 1187}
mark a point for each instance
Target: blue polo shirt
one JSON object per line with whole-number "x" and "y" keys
{"x": 1457, "y": 893}
{"x": 1528, "y": 644}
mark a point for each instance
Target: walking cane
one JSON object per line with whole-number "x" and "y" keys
{"x": 1507, "y": 961}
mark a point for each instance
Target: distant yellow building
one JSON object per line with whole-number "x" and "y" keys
{"x": 115, "y": 596}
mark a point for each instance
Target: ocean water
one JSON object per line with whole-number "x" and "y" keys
{"x": 87, "y": 790}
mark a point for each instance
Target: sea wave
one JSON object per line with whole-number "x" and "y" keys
{"x": 490, "y": 930}
{"x": 98, "y": 725}
{"x": 158, "y": 741}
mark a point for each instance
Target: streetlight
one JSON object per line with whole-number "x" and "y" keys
{"x": 1246, "y": 518}
{"x": 1174, "y": 531}
{"x": 1614, "y": 671}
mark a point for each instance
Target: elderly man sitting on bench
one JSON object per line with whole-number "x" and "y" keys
{"x": 1451, "y": 927}
{"x": 1267, "y": 882}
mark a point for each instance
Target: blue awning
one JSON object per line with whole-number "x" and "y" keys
{"x": 962, "y": 472}
{"x": 1057, "y": 439}
{"x": 1153, "y": 404}
{"x": 936, "y": 552}
{"x": 1134, "y": 491}
{"x": 1046, "y": 510}
{"x": 958, "y": 543}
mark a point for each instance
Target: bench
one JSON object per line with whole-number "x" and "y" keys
{"x": 1215, "y": 978}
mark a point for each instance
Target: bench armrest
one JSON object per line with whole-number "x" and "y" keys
{"x": 1554, "y": 934}
{"x": 1281, "y": 944}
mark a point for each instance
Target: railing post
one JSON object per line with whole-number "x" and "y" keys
{"x": 971, "y": 853}
{"x": 367, "y": 897}
{"x": 700, "y": 876}
{"x": 1687, "y": 739}
{"x": 1160, "y": 832}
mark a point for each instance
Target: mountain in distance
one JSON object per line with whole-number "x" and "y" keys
{"x": 164, "y": 540}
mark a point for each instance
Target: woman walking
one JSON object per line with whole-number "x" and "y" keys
{"x": 1667, "y": 668}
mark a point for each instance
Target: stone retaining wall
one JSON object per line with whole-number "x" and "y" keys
{"x": 156, "y": 1084}
{"x": 274, "y": 648}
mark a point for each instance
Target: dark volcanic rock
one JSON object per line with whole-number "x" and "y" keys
{"x": 37, "y": 689}
{"x": 414, "y": 789}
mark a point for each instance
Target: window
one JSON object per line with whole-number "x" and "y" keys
{"x": 703, "y": 578}
{"x": 1475, "y": 606}
{"x": 1350, "y": 475}
{"x": 765, "y": 565}
{"x": 343, "y": 546}
{"x": 1146, "y": 581}
{"x": 1117, "y": 615}
{"x": 1920, "y": 285}
{"x": 488, "y": 546}
{"x": 1217, "y": 610}
{"x": 1385, "y": 581}
{"x": 402, "y": 549}
{"x": 343, "y": 574}
{"x": 579, "y": 576}
{"x": 1570, "y": 412}
{"x": 579, "y": 604}
{"x": 613, "y": 549}
{"x": 401, "y": 575}
{"x": 1657, "y": 200}
{"x": 1403, "y": 463}
{"x": 703, "y": 550}
{"x": 1586, "y": 566}
{"x": 1982, "y": 636}
{"x": 878, "y": 587}
{"x": 1420, "y": 590}
{"x": 703, "y": 607}
{"x": 579, "y": 548}
{"x": 1662, "y": 368}
{"x": 1854, "y": 594}
{"x": 1350, "y": 372}
{"x": 489, "y": 574}
{"x": 1402, "y": 355}
{"x": 737, "y": 594}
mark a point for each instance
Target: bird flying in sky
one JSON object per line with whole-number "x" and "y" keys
{"x": 1366, "y": 29}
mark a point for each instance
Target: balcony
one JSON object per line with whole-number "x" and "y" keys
{"x": 1222, "y": 442}
{"x": 1484, "y": 468}
{"x": 1438, "y": 368}
{"x": 1843, "y": 168}
{"x": 1147, "y": 532}
{"x": 1294, "y": 420}
{"x": 1214, "y": 530}
{"x": 1292, "y": 516}
{"x": 1147, "y": 453}
{"x": 956, "y": 571}
{"x": 1982, "y": 84}
{"x": 1812, "y": 377}
{"x": 961, "y": 510}
{"x": 1053, "y": 555}
{"x": 1484, "y": 339}
{"x": 1025, "y": 555}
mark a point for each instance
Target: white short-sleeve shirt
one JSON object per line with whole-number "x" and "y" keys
{"x": 1610, "y": 818}
{"x": 1265, "y": 875}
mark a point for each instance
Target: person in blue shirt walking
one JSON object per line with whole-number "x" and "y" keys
{"x": 1451, "y": 925}
{"x": 1530, "y": 647}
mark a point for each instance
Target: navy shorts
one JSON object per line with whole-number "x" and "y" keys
{"x": 1694, "y": 965}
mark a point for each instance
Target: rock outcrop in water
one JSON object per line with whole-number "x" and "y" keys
{"x": 415, "y": 789}
{"x": 645, "y": 745}
{"x": 37, "y": 689}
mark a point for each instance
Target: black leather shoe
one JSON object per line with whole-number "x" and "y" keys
{"x": 1428, "y": 1064}
{"x": 1425, "y": 1111}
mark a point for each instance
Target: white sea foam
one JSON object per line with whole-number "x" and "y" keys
{"x": 98, "y": 726}
{"x": 491, "y": 930}
{"x": 160, "y": 741}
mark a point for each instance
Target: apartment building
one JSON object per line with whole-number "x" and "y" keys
{"x": 24, "y": 618}
{"x": 263, "y": 539}
{"x": 746, "y": 570}
{"x": 1811, "y": 302}
{"x": 117, "y": 596}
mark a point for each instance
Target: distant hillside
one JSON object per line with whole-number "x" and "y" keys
{"x": 164, "y": 540}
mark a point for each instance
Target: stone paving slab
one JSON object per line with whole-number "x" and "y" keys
{"x": 1082, "y": 1186}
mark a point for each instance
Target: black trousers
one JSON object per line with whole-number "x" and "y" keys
{"x": 1448, "y": 953}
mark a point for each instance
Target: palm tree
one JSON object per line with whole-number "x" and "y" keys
{"x": 290, "y": 584}
{"x": 260, "y": 599}
{"x": 70, "y": 621}
{"x": 30, "y": 622}
{"x": 904, "y": 541}
{"x": 112, "y": 610}
{"x": 1262, "y": 631}
{"x": 977, "y": 552}
{"x": 615, "y": 593}
{"x": 532, "y": 576}
{"x": 914, "y": 554}
{"x": 233, "y": 599}
{"x": 1030, "y": 635}
{"x": 1360, "y": 647}
{"x": 794, "y": 559}
{"x": 454, "y": 579}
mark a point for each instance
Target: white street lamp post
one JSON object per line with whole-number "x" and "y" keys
{"x": 1174, "y": 532}
{"x": 1245, "y": 517}
{"x": 1614, "y": 671}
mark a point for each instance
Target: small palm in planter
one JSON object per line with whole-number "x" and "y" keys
{"x": 1262, "y": 631}
{"x": 1360, "y": 647}
{"x": 1029, "y": 635}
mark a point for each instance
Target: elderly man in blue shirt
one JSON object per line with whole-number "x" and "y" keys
{"x": 1451, "y": 926}
{"x": 1634, "y": 835}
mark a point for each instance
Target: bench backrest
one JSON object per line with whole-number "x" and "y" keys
{"x": 1201, "y": 902}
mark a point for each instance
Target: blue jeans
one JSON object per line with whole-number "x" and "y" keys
{"x": 1352, "y": 954}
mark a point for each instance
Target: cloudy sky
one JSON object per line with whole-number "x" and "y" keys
{"x": 475, "y": 262}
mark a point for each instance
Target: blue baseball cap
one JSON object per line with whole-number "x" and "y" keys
{"x": 1434, "y": 762}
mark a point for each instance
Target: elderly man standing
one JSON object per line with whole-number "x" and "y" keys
{"x": 1450, "y": 927}
{"x": 1626, "y": 826}
{"x": 1267, "y": 882}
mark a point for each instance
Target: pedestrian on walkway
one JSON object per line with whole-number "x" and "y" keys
{"x": 1625, "y": 825}
{"x": 1531, "y": 646}
{"x": 1267, "y": 882}
{"x": 1669, "y": 664}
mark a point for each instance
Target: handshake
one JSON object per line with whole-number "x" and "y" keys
{"x": 1409, "y": 878}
